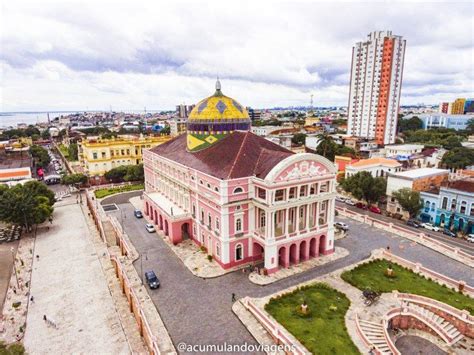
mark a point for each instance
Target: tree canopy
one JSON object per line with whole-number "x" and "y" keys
{"x": 329, "y": 149}
{"x": 364, "y": 186}
{"x": 409, "y": 200}
{"x": 458, "y": 158}
{"x": 410, "y": 124}
{"x": 73, "y": 152}
{"x": 298, "y": 139}
{"x": 74, "y": 179}
{"x": 26, "y": 205}
{"x": 126, "y": 173}
{"x": 447, "y": 138}
{"x": 40, "y": 155}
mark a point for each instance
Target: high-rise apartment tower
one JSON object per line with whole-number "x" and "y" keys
{"x": 376, "y": 80}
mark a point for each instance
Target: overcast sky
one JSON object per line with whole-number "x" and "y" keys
{"x": 68, "y": 55}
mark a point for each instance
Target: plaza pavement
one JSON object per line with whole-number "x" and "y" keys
{"x": 198, "y": 311}
{"x": 6, "y": 268}
{"x": 69, "y": 287}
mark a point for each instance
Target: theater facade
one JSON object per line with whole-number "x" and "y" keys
{"x": 242, "y": 197}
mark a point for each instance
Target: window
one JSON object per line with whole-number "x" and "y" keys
{"x": 292, "y": 192}
{"x": 209, "y": 220}
{"x": 472, "y": 209}
{"x": 103, "y": 155}
{"x": 261, "y": 193}
{"x": 194, "y": 230}
{"x": 238, "y": 190}
{"x": 238, "y": 252}
{"x": 208, "y": 186}
{"x": 303, "y": 190}
{"x": 94, "y": 155}
{"x": 279, "y": 195}
{"x": 262, "y": 219}
{"x": 218, "y": 250}
{"x": 238, "y": 225}
{"x": 194, "y": 209}
{"x": 453, "y": 204}
{"x": 202, "y": 215}
{"x": 444, "y": 205}
{"x": 463, "y": 207}
{"x": 217, "y": 223}
{"x": 216, "y": 189}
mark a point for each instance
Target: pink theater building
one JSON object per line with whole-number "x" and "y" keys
{"x": 244, "y": 198}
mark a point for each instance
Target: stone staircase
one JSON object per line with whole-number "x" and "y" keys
{"x": 449, "y": 331}
{"x": 374, "y": 332}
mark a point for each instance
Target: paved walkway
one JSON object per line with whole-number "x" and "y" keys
{"x": 198, "y": 311}
{"x": 69, "y": 287}
{"x": 6, "y": 267}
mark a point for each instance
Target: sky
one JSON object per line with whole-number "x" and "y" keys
{"x": 128, "y": 55}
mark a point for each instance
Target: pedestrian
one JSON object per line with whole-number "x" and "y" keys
{"x": 44, "y": 318}
{"x": 14, "y": 290}
{"x": 32, "y": 299}
{"x": 233, "y": 297}
{"x": 37, "y": 257}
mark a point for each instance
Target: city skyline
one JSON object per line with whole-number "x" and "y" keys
{"x": 95, "y": 56}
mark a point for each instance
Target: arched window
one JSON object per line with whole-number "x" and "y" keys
{"x": 433, "y": 206}
{"x": 444, "y": 205}
{"x": 239, "y": 255}
{"x": 238, "y": 225}
{"x": 238, "y": 190}
{"x": 463, "y": 207}
{"x": 218, "y": 249}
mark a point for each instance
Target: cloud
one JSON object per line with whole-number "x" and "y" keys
{"x": 72, "y": 55}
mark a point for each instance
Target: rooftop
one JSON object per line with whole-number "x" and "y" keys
{"x": 466, "y": 185}
{"x": 240, "y": 154}
{"x": 375, "y": 161}
{"x": 404, "y": 146}
{"x": 420, "y": 173}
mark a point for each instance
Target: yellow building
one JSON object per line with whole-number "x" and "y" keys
{"x": 98, "y": 156}
{"x": 311, "y": 120}
{"x": 458, "y": 107}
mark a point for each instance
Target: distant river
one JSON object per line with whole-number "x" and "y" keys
{"x": 11, "y": 119}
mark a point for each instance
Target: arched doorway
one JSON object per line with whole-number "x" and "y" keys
{"x": 322, "y": 244}
{"x": 156, "y": 217}
{"x": 161, "y": 222}
{"x": 441, "y": 220}
{"x": 185, "y": 231}
{"x": 303, "y": 251}
{"x": 312, "y": 248}
{"x": 147, "y": 209}
{"x": 461, "y": 224}
{"x": 282, "y": 258}
{"x": 257, "y": 251}
{"x": 166, "y": 227}
{"x": 293, "y": 254}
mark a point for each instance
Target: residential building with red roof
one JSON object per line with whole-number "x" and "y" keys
{"x": 242, "y": 197}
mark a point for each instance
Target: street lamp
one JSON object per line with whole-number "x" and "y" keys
{"x": 141, "y": 264}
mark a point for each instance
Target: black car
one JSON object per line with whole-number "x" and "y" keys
{"x": 151, "y": 279}
{"x": 138, "y": 214}
{"x": 449, "y": 233}
{"x": 413, "y": 223}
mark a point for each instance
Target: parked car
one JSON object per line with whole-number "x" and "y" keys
{"x": 449, "y": 233}
{"x": 413, "y": 223}
{"x": 342, "y": 226}
{"x": 361, "y": 205}
{"x": 138, "y": 213}
{"x": 151, "y": 279}
{"x": 375, "y": 209}
{"x": 150, "y": 228}
{"x": 430, "y": 227}
{"x": 470, "y": 238}
{"x": 340, "y": 198}
{"x": 349, "y": 202}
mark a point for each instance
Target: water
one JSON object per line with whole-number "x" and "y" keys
{"x": 11, "y": 119}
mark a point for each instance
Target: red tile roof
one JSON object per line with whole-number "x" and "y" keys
{"x": 241, "y": 154}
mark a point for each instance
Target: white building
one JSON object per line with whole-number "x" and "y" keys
{"x": 264, "y": 131}
{"x": 375, "y": 166}
{"x": 376, "y": 78}
{"x": 403, "y": 150}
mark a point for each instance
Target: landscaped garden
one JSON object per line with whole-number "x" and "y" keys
{"x": 373, "y": 275}
{"x": 315, "y": 316}
{"x": 101, "y": 193}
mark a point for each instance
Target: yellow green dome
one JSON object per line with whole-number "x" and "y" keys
{"x": 213, "y": 118}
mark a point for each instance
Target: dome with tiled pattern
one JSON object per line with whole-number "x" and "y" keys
{"x": 213, "y": 119}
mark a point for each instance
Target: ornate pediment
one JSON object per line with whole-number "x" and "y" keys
{"x": 302, "y": 170}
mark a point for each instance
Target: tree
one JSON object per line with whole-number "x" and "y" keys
{"x": 12, "y": 349}
{"x": 166, "y": 130}
{"x": 116, "y": 174}
{"x": 74, "y": 179}
{"x": 40, "y": 155}
{"x": 73, "y": 152}
{"x": 452, "y": 142}
{"x": 364, "y": 186}
{"x": 326, "y": 146}
{"x": 458, "y": 158}
{"x": 298, "y": 139}
{"x": 26, "y": 205}
{"x": 409, "y": 200}
{"x": 410, "y": 124}
{"x": 135, "y": 173}
{"x": 45, "y": 134}
{"x": 470, "y": 126}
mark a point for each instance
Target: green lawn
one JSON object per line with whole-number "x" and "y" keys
{"x": 324, "y": 330}
{"x": 371, "y": 275}
{"x": 101, "y": 193}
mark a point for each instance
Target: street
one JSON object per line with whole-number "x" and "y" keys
{"x": 455, "y": 242}
{"x": 198, "y": 311}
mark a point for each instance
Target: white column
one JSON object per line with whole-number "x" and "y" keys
{"x": 298, "y": 218}
{"x": 307, "y": 215}
{"x": 287, "y": 220}
{"x": 317, "y": 214}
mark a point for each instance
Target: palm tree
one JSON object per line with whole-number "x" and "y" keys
{"x": 324, "y": 141}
